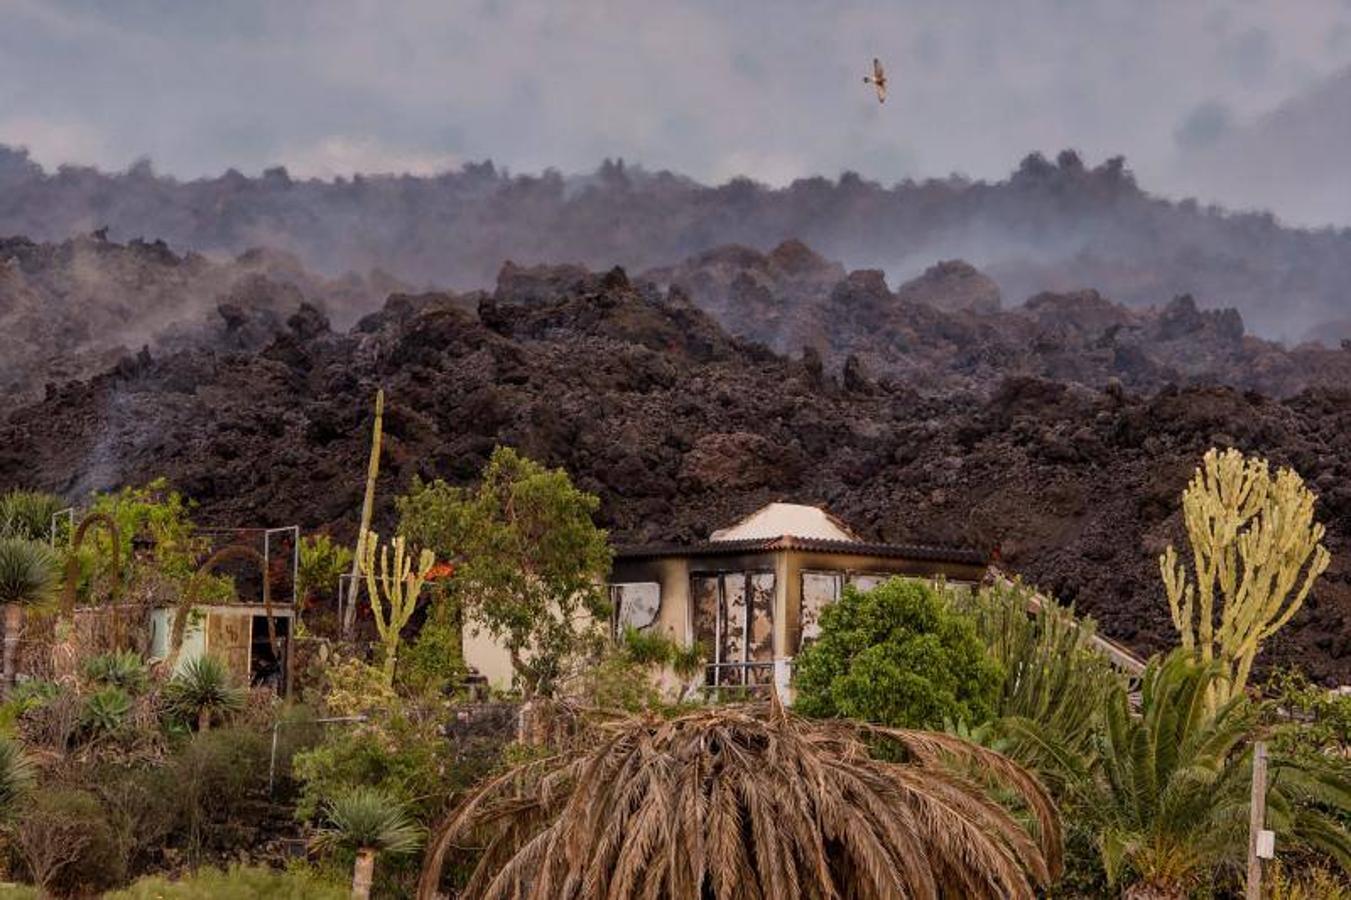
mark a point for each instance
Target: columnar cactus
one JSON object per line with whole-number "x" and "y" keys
{"x": 1255, "y": 547}
{"x": 399, "y": 585}
{"x": 367, "y": 507}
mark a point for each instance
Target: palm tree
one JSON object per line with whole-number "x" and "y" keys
{"x": 732, "y": 802}
{"x": 1170, "y": 792}
{"x": 29, "y": 578}
{"x": 202, "y": 690}
{"x": 368, "y": 821}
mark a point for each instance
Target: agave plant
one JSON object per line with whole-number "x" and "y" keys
{"x": 744, "y": 802}
{"x": 368, "y": 821}
{"x": 28, "y": 514}
{"x": 121, "y": 668}
{"x": 203, "y": 691}
{"x": 29, "y": 578}
{"x": 105, "y": 711}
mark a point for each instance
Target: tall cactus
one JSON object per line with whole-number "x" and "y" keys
{"x": 399, "y": 585}
{"x": 1256, "y": 549}
{"x": 367, "y": 508}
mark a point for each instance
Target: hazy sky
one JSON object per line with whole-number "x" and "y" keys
{"x": 711, "y": 89}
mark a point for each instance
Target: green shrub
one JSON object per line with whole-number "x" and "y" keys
{"x": 434, "y": 662}
{"x": 406, "y": 757}
{"x": 239, "y": 883}
{"x": 141, "y": 801}
{"x": 28, "y": 514}
{"x": 24, "y": 697}
{"x": 218, "y": 775}
{"x": 67, "y": 844}
{"x": 322, "y": 564}
{"x": 898, "y": 655}
{"x": 121, "y": 668}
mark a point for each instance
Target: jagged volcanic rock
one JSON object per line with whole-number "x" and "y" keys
{"x": 681, "y": 429}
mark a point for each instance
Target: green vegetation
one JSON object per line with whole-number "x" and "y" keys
{"x": 28, "y": 514}
{"x": 120, "y": 669}
{"x": 114, "y": 768}
{"x": 898, "y": 655}
{"x": 530, "y": 562}
{"x": 238, "y": 883}
{"x": 367, "y": 822}
{"x": 399, "y": 584}
{"x": 322, "y": 565}
{"x": 202, "y": 692}
{"x": 30, "y": 574}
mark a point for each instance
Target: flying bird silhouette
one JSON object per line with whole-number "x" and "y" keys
{"x": 878, "y": 79}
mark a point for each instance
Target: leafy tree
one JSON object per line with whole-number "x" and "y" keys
{"x": 202, "y": 691}
{"x": 732, "y": 802}
{"x": 369, "y": 822}
{"x": 897, "y": 655}
{"x": 1256, "y": 549}
{"x": 530, "y": 562}
{"x": 322, "y": 565}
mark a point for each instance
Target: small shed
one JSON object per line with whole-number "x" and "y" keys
{"x": 236, "y": 633}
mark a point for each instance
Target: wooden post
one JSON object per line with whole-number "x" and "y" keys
{"x": 1257, "y": 818}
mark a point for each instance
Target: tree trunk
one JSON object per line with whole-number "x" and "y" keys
{"x": 363, "y": 873}
{"x": 204, "y": 719}
{"x": 13, "y": 617}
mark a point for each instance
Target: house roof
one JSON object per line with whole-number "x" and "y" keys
{"x": 792, "y": 526}
{"x": 917, "y": 552}
{"x": 781, "y": 519}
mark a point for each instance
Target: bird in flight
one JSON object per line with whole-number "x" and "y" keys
{"x": 878, "y": 79}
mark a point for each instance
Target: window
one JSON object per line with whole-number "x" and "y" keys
{"x": 734, "y": 626}
{"x": 818, "y": 590}
{"x": 866, "y": 581}
{"x": 635, "y": 605}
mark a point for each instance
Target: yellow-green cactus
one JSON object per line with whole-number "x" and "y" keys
{"x": 398, "y": 585}
{"x": 1256, "y": 550}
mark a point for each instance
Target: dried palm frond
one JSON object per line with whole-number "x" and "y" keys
{"x": 747, "y": 802}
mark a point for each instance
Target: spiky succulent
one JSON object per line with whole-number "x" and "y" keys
{"x": 366, "y": 818}
{"x": 203, "y": 691}
{"x": 29, "y": 573}
{"x": 121, "y": 668}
